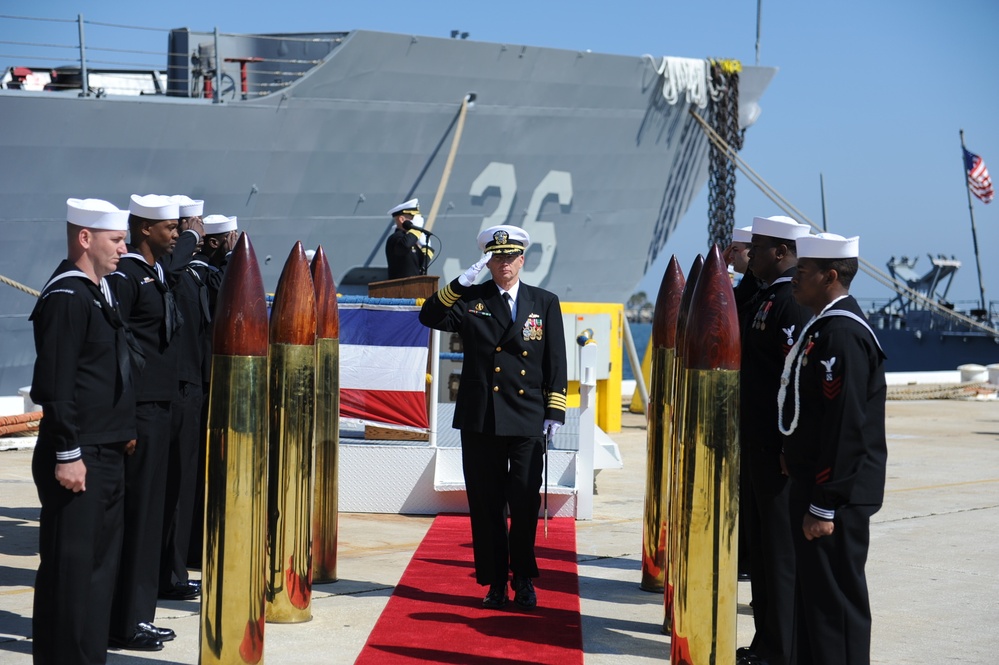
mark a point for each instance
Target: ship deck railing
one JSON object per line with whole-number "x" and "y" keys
{"x": 93, "y": 58}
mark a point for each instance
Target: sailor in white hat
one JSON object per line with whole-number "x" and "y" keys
{"x": 406, "y": 249}
{"x": 206, "y": 271}
{"x": 511, "y": 397}
{"x": 143, "y": 286}
{"x": 188, "y": 207}
{"x": 191, "y": 342}
{"x": 736, "y": 255}
{"x": 770, "y": 327}
{"x": 83, "y": 381}
{"x": 832, "y": 415}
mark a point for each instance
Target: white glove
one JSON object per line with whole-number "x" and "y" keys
{"x": 418, "y": 222}
{"x": 551, "y": 427}
{"x": 468, "y": 277}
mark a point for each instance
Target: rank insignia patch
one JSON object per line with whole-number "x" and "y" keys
{"x": 830, "y": 386}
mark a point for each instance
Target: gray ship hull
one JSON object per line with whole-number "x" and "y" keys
{"x": 578, "y": 148}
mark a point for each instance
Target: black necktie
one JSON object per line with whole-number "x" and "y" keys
{"x": 172, "y": 319}
{"x": 509, "y": 303}
{"x": 122, "y": 336}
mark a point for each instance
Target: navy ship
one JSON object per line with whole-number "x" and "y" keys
{"x": 922, "y": 330}
{"x": 315, "y": 136}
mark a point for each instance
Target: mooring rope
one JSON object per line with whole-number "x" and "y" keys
{"x": 771, "y": 193}
{"x": 966, "y": 391}
{"x": 17, "y": 285}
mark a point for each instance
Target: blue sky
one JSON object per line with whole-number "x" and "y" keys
{"x": 870, "y": 93}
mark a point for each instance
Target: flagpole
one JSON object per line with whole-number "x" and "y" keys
{"x": 974, "y": 233}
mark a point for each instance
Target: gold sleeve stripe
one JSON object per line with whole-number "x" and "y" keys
{"x": 448, "y": 296}
{"x": 556, "y": 401}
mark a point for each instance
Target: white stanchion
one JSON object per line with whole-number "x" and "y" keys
{"x": 587, "y": 429}
{"x": 435, "y": 368}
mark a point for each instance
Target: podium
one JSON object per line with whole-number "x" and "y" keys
{"x": 419, "y": 286}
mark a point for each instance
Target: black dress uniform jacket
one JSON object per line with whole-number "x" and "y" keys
{"x": 838, "y": 448}
{"x": 82, "y": 371}
{"x": 149, "y": 308}
{"x": 513, "y": 376}
{"x": 405, "y": 255}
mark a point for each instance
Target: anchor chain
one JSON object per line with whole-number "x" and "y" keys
{"x": 724, "y": 118}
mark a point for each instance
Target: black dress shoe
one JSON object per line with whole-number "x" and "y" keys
{"x": 162, "y": 634}
{"x": 139, "y": 641}
{"x": 523, "y": 592}
{"x": 182, "y": 591}
{"x": 496, "y": 598}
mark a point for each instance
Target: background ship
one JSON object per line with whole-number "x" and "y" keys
{"x": 315, "y": 136}
{"x": 921, "y": 330}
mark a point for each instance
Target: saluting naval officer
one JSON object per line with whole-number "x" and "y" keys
{"x": 406, "y": 250}
{"x": 148, "y": 307}
{"x": 83, "y": 382}
{"x": 768, "y": 332}
{"x": 832, "y": 413}
{"x": 512, "y": 394}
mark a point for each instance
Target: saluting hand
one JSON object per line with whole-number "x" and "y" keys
{"x": 468, "y": 277}
{"x": 72, "y": 475}
{"x": 195, "y": 224}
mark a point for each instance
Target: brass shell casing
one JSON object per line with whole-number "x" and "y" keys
{"x": 660, "y": 425}
{"x": 292, "y": 431}
{"x": 706, "y": 586}
{"x": 234, "y": 563}
{"x": 325, "y": 509}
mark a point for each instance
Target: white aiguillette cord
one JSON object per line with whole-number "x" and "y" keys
{"x": 785, "y": 376}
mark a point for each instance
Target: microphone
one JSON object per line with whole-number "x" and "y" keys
{"x": 409, "y": 226}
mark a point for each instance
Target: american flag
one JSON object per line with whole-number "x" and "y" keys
{"x": 979, "y": 179}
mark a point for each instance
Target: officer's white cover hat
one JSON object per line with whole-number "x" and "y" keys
{"x": 410, "y": 207}
{"x": 504, "y": 239}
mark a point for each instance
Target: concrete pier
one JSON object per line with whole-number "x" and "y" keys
{"x": 933, "y": 570}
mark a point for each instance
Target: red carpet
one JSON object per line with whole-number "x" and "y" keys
{"x": 435, "y": 614}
